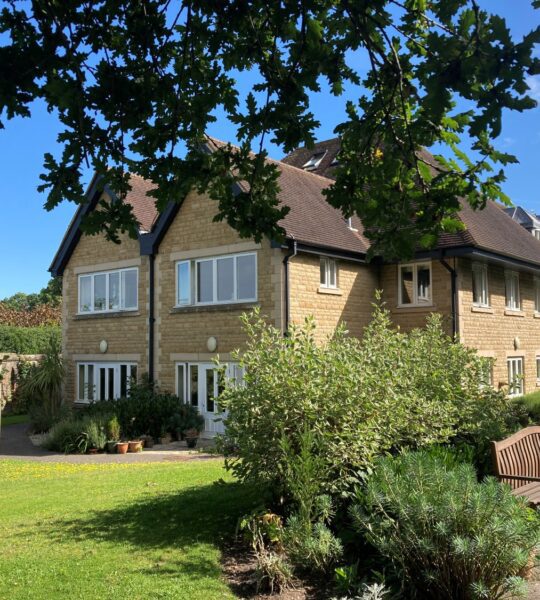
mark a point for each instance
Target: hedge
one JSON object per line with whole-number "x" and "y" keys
{"x": 26, "y": 340}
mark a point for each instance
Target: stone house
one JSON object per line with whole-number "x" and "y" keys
{"x": 167, "y": 303}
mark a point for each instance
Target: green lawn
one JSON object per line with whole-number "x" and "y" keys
{"x": 13, "y": 419}
{"x": 134, "y": 531}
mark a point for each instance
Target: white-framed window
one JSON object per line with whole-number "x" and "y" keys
{"x": 414, "y": 284}
{"x": 486, "y": 374}
{"x": 538, "y": 369}
{"x": 536, "y": 233}
{"x": 480, "y": 284}
{"x": 104, "y": 380}
{"x": 109, "y": 291}
{"x": 537, "y": 294}
{"x": 217, "y": 280}
{"x": 515, "y": 376}
{"x": 511, "y": 279}
{"x": 329, "y": 273}
{"x": 314, "y": 161}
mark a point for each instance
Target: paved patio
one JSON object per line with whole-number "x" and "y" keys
{"x": 15, "y": 443}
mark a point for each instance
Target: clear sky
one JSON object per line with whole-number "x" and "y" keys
{"x": 29, "y": 236}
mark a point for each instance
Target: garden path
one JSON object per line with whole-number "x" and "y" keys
{"x": 15, "y": 443}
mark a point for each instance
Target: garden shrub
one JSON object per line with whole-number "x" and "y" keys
{"x": 78, "y": 435}
{"x": 147, "y": 411}
{"x": 27, "y": 340}
{"x": 447, "y": 535}
{"x": 361, "y": 398}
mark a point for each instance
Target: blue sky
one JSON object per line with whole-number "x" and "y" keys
{"x": 29, "y": 236}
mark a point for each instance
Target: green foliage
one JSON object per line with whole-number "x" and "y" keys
{"x": 359, "y": 399}
{"x": 77, "y": 435}
{"x": 43, "y": 416}
{"x": 113, "y": 429}
{"x": 448, "y": 536}
{"x": 27, "y": 340}
{"x": 167, "y": 71}
{"x": 147, "y": 411}
{"x": 530, "y": 405}
{"x": 51, "y": 294}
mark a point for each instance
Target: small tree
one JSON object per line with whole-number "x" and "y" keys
{"x": 359, "y": 398}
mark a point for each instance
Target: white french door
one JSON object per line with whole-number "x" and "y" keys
{"x": 104, "y": 381}
{"x": 199, "y": 384}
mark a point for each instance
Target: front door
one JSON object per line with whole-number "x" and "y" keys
{"x": 204, "y": 389}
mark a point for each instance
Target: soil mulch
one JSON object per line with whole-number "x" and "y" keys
{"x": 239, "y": 564}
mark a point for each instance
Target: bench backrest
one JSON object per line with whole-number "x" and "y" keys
{"x": 518, "y": 455}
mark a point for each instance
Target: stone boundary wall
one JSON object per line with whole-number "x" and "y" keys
{"x": 9, "y": 369}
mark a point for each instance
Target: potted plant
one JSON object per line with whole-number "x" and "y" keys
{"x": 191, "y": 436}
{"x": 122, "y": 447}
{"x": 113, "y": 434}
{"x": 135, "y": 446}
{"x": 148, "y": 441}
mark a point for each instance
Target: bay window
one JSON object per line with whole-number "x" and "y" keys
{"x": 109, "y": 291}
{"x": 414, "y": 285}
{"x": 218, "y": 280}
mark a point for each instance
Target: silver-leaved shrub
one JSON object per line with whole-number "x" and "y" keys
{"x": 360, "y": 398}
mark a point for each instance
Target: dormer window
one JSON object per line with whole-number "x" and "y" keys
{"x": 335, "y": 160}
{"x": 314, "y": 161}
{"x": 536, "y": 233}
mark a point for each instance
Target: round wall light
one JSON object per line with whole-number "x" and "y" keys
{"x": 211, "y": 344}
{"x": 517, "y": 343}
{"x": 103, "y": 346}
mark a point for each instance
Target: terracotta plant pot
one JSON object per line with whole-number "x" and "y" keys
{"x": 135, "y": 446}
{"x": 92, "y": 450}
{"x": 165, "y": 439}
{"x": 122, "y": 447}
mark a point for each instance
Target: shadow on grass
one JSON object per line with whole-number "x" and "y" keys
{"x": 206, "y": 514}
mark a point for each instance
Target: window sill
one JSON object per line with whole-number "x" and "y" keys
{"x": 415, "y": 307}
{"x": 514, "y": 312}
{"x": 536, "y": 315}
{"x": 330, "y": 291}
{"x": 482, "y": 309}
{"x": 238, "y": 306}
{"x": 106, "y": 315}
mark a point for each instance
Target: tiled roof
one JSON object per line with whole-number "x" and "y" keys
{"x": 311, "y": 220}
{"x": 299, "y": 157}
{"x": 144, "y": 207}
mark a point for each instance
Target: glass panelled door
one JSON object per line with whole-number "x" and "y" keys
{"x": 202, "y": 391}
{"x": 105, "y": 381}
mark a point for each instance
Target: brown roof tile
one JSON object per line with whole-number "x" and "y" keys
{"x": 311, "y": 220}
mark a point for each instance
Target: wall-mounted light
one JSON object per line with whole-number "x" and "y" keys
{"x": 211, "y": 344}
{"x": 103, "y": 346}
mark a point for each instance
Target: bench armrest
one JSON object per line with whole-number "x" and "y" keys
{"x": 519, "y": 477}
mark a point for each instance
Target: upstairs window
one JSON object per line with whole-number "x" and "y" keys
{"x": 314, "y": 161}
{"x": 328, "y": 273}
{"x": 480, "y": 285}
{"x": 110, "y": 291}
{"x": 414, "y": 284}
{"x": 219, "y": 280}
{"x": 513, "y": 301}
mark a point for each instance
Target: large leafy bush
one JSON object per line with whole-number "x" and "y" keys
{"x": 359, "y": 398}
{"x": 448, "y": 536}
{"x": 27, "y": 340}
{"x": 77, "y": 435}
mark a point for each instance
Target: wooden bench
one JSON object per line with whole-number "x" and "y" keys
{"x": 517, "y": 463}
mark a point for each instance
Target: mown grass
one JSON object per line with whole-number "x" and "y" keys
{"x": 116, "y": 530}
{"x": 14, "y": 419}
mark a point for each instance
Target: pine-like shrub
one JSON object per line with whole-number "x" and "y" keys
{"x": 361, "y": 398}
{"x": 447, "y": 535}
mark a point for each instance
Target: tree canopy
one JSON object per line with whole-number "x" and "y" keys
{"x": 50, "y": 295}
{"x": 136, "y": 84}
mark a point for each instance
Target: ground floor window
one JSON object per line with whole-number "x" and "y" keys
{"x": 515, "y": 376}
{"x": 486, "y": 374}
{"x": 200, "y": 384}
{"x": 104, "y": 380}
